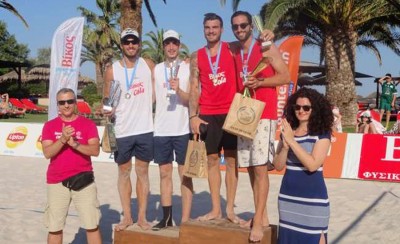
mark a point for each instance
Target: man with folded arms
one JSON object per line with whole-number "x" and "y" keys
{"x": 171, "y": 126}
{"x": 133, "y": 125}
{"x": 69, "y": 141}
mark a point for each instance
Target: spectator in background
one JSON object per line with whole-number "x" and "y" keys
{"x": 337, "y": 120}
{"x": 4, "y": 105}
{"x": 365, "y": 124}
{"x": 388, "y": 97}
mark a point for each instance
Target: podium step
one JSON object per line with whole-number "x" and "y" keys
{"x": 135, "y": 235}
{"x": 221, "y": 231}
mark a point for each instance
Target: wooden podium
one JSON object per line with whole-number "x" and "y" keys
{"x": 221, "y": 231}
{"x": 135, "y": 235}
{"x": 194, "y": 232}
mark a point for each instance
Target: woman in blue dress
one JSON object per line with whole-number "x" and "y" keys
{"x": 305, "y": 140}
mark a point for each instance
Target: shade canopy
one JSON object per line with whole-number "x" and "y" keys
{"x": 311, "y": 74}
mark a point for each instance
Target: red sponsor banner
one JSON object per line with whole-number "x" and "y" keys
{"x": 380, "y": 158}
{"x": 290, "y": 49}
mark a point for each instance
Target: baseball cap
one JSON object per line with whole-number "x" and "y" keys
{"x": 171, "y": 34}
{"x": 129, "y": 32}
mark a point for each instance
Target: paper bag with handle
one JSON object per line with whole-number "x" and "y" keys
{"x": 109, "y": 141}
{"x": 244, "y": 115}
{"x": 196, "y": 159}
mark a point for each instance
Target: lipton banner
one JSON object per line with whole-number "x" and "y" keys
{"x": 65, "y": 59}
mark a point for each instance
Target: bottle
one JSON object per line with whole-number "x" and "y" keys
{"x": 222, "y": 158}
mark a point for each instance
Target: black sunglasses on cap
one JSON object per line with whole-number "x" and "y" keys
{"x": 242, "y": 26}
{"x": 69, "y": 101}
{"x": 306, "y": 108}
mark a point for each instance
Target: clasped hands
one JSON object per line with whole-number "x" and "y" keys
{"x": 68, "y": 136}
{"x": 287, "y": 134}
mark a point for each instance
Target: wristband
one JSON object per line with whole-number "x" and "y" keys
{"x": 191, "y": 117}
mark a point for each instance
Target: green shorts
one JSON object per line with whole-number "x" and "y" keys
{"x": 385, "y": 104}
{"x": 58, "y": 200}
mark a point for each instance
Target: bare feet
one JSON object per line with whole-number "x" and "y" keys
{"x": 209, "y": 216}
{"x": 144, "y": 225}
{"x": 123, "y": 225}
{"x": 232, "y": 217}
{"x": 256, "y": 234}
{"x": 246, "y": 224}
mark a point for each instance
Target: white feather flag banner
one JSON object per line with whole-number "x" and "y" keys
{"x": 65, "y": 60}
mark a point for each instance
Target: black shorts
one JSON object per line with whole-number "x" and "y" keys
{"x": 138, "y": 146}
{"x": 216, "y": 138}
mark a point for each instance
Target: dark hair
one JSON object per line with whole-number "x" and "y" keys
{"x": 388, "y": 74}
{"x": 321, "y": 117}
{"x": 245, "y": 13}
{"x": 212, "y": 16}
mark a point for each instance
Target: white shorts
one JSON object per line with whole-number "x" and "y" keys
{"x": 261, "y": 149}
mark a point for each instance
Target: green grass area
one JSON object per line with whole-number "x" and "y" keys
{"x": 351, "y": 129}
{"x": 29, "y": 118}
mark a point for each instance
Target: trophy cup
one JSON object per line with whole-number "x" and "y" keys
{"x": 174, "y": 69}
{"x": 115, "y": 93}
{"x": 109, "y": 141}
{"x": 259, "y": 27}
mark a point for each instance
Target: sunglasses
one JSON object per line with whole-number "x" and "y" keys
{"x": 242, "y": 26}
{"x": 305, "y": 108}
{"x": 69, "y": 101}
{"x": 133, "y": 42}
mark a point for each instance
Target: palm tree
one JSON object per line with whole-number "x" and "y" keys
{"x": 338, "y": 27}
{"x": 131, "y": 13}
{"x": 100, "y": 55}
{"x": 101, "y": 38}
{"x": 4, "y": 4}
{"x": 235, "y": 4}
{"x": 153, "y": 48}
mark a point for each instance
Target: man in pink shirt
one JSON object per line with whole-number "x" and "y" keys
{"x": 69, "y": 141}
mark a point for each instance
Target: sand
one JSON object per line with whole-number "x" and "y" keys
{"x": 361, "y": 211}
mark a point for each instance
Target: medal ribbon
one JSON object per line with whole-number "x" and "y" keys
{"x": 214, "y": 68}
{"x": 245, "y": 63}
{"x": 128, "y": 81}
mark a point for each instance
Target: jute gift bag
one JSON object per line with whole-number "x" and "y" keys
{"x": 244, "y": 115}
{"x": 196, "y": 159}
{"x": 109, "y": 141}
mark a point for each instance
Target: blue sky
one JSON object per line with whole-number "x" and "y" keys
{"x": 185, "y": 16}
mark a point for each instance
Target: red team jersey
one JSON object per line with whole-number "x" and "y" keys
{"x": 265, "y": 94}
{"x": 216, "y": 92}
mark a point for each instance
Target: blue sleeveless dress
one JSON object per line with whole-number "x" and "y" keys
{"x": 303, "y": 201}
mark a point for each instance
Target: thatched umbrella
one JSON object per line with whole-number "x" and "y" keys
{"x": 13, "y": 76}
{"x": 40, "y": 73}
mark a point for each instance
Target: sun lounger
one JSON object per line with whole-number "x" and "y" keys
{"x": 31, "y": 106}
{"x": 84, "y": 108}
